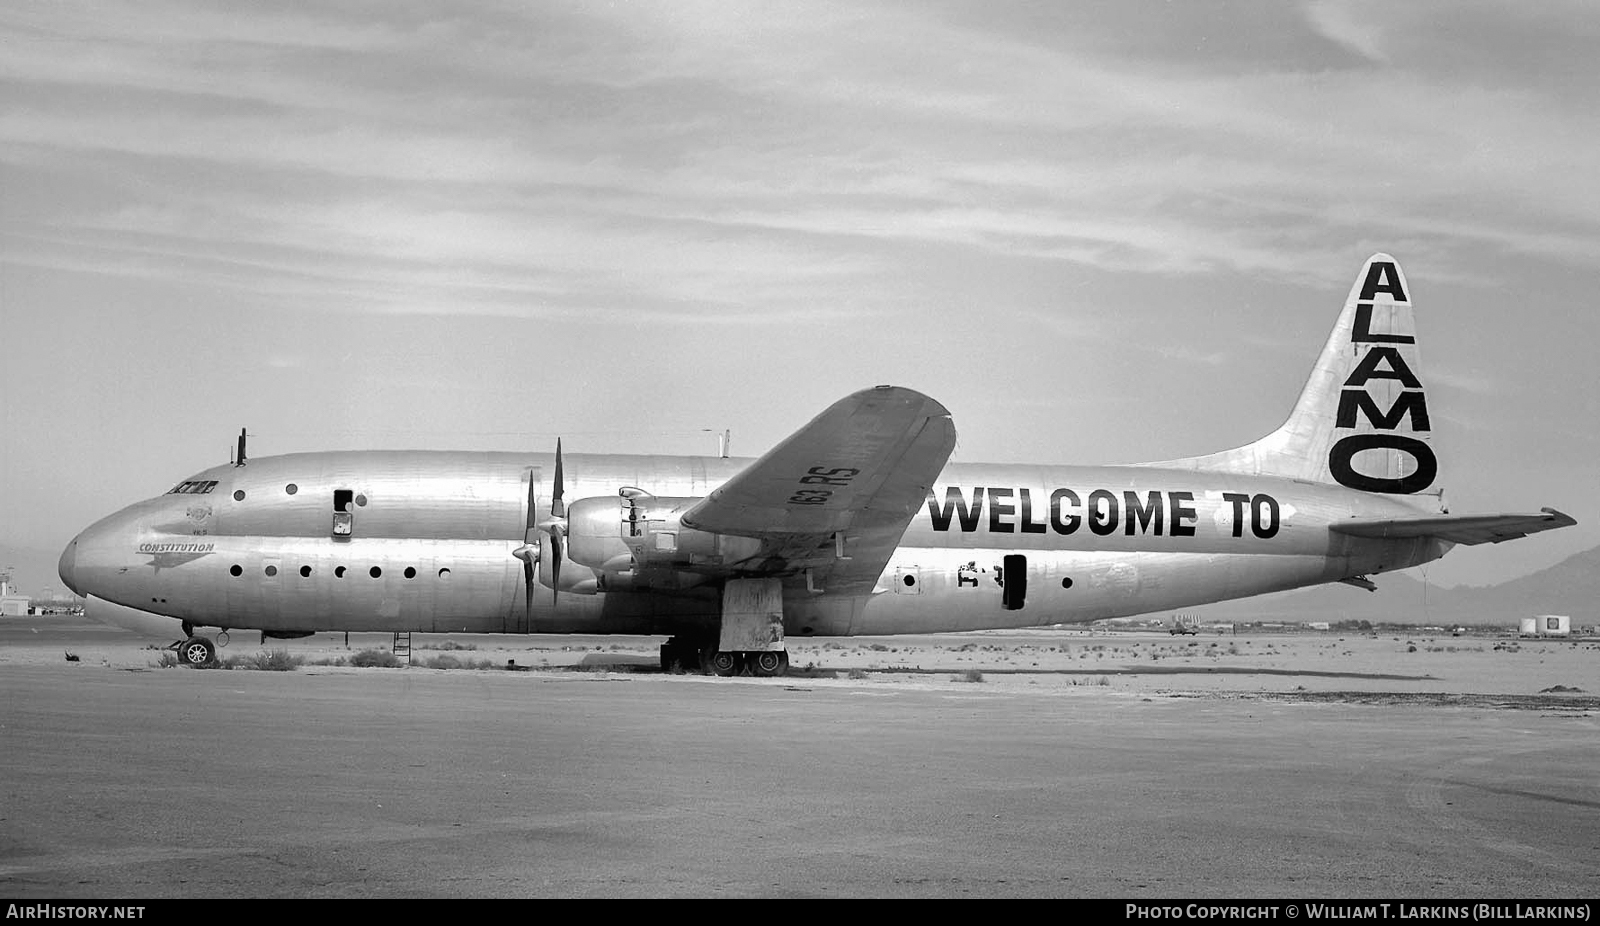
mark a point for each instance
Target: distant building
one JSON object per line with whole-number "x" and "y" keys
{"x": 12, "y": 604}
{"x": 1546, "y": 625}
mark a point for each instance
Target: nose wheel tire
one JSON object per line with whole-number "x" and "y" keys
{"x": 197, "y": 652}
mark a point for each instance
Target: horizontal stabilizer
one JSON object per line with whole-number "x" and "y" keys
{"x": 1468, "y": 529}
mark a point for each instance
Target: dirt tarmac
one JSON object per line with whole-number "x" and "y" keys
{"x": 1026, "y": 764}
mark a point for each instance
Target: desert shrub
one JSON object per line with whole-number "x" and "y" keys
{"x": 857, "y": 674}
{"x": 375, "y": 658}
{"x": 278, "y": 660}
{"x": 166, "y": 660}
{"x": 442, "y": 662}
{"x": 968, "y": 675}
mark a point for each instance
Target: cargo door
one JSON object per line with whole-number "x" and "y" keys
{"x": 1014, "y": 582}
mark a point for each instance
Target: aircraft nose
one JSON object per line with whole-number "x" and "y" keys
{"x": 68, "y": 564}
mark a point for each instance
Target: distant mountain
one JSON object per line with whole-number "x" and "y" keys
{"x": 1570, "y": 587}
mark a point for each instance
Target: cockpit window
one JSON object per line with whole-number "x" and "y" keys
{"x": 194, "y": 487}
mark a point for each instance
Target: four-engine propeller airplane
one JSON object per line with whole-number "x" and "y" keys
{"x": 854, "y": 525}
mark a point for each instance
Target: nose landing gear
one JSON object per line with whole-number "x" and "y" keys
{"x": 197, "y": 652}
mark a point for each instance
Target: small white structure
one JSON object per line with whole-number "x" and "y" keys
{"x": 1546, "y": 625}
{"x": 12, "y": 604}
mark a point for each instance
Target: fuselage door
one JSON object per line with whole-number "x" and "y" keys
{"x": 1013, "y": 581}
{"x": 344, "y": 514}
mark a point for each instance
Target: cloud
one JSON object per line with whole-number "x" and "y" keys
{"x": 1343, "y": 24}
{"x": 690, "y": 159}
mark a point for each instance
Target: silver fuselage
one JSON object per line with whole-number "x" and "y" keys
{"x": 429, "y": 540}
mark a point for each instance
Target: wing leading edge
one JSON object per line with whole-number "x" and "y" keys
{"x": 847, "y": 483}
{"x": 1466, "y": 529}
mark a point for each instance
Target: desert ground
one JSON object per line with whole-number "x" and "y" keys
{"x": 1052, "y": 763}
{"x": 1215, "y": 663}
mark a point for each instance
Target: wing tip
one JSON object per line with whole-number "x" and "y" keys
{"x": 933, "y": 407}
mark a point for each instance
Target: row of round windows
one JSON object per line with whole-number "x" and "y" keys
{"x": 290, "y": 489}
{"x": 338, "y": 572}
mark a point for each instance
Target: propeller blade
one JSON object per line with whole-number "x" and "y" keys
{"x": 527, "y": 585}
{"x": 558, "y": 508}
{"x": 530, "y": 536}
{"x": 530, "y": 529}
{"x": 555, "y": 564}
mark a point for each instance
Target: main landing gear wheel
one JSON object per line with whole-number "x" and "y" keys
{"x": 722, "y": 663}
{"x": 197, "y": 652}
{"x": 767, "y": 665}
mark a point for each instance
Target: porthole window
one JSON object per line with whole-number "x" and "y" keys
{"x": 272, "y": 570}
{"x": 291, "y": 488}
{"x": 374, "y": 572}
{"x": 909, "y": 580}
{"x": 338, "y": 573}
{"x": 411, "y": 573}
{"x": 361, "y": 501}
{"x": 444, "y": 573}
{"x": 305, "y": 572}
{"x": 238, "y": 495}
{"x": 1066, "y": 583}
{"x": 236, "y": 570}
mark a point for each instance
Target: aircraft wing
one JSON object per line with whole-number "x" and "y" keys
{"x": 1468, "y": 529}
{"x": 861, "y": 469}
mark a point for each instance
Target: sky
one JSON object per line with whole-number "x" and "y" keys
{"x": 1098, "y": 232}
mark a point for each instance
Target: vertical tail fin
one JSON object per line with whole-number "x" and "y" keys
{"x": 1362, "y": 418}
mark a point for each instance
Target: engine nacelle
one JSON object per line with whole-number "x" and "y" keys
{"x": 638, "y": 532}
{"x": 594, "y": 533}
